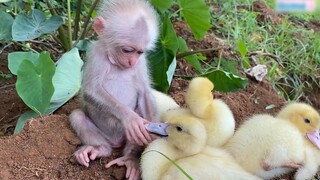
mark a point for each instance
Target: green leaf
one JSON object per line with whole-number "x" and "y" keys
{"x": 23, "y": 119}
{"x": 192, "y": 59}
{"x": 162, "y": 59}
{"x": 243, "y": 51}
{"x": 226, "y": 65}
{"x": 6, "y": 26}
{"x": 15, "y": 59}
{"x": 197, "y": 15}
{"x": 162, "y": 5}
{"x": 66, "y": 80}
{"x": 83, "y": 45}
{"x": 27, "y": 28}
{"x": 242, "y": 48}
{"x": 34, "y": 82}
{"x": 225, "y": 81}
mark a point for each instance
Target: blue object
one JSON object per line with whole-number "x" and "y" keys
{"x": 157, "y": 128}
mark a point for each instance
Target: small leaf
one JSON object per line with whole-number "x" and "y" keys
{"x": 162, "y": 60}
{"x": 34, "y": 82}
{"x": 27, "y": 28}
{"x": 6, "y": 26}
{"x": 242, "y": 48}
{"x": 83, "y": 45}
{"x": 66, "y": 80}
{"x": 197, "y": 15}
{"x": 192, "y": 59}
{"x": 23, "y": 119}
{"x": 225, "y": 81}
{"x": 15, "y": 59}
{"x": 162, "y": 5}
{"x": 270, "y": 106}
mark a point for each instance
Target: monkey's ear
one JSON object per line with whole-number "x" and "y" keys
{"x": 99, "y": 25}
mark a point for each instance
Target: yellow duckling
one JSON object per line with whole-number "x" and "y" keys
{"x": 214, "y": 113}
{"x": 271, "y": 146}
{"x": 186, "y": 144}
{"x": 163, "y": 102}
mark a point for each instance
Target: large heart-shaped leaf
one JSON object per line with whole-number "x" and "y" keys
{"x": 162, "y": 5}
{"x": 15, "y": 59}
{"x": 191, "y": 59}
{"x": 27, "y": 28}
{"x": 6, "y": 24}
{"x": 162, "y": 59}
{"x": 225, "y": 81}
{"x": 34, "y": 82}
{"x": 197, "y": 15}
{"x": 66, "y": 80}
{"x": 23, "y": 119}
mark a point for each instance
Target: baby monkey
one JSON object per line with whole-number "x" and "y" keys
{"x": 116, "y": 90}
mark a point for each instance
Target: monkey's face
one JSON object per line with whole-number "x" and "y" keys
{"x": 129, "y": 55}
{"x": 125, "y": 56}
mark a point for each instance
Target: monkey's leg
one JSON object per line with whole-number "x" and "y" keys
{"x": 130, "y": 159}
{"x": 95, "y": 145}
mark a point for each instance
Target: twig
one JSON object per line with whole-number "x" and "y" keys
{"x": 7, "y": 86}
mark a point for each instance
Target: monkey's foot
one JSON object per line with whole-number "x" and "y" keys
{"x": 87, "y": 153}
{"x": 132, "y": 165}
{"x": 292, "y": 165}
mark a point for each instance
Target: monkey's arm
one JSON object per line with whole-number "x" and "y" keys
{"x": 132, "y": 122}
{"x": 147, "y": 106}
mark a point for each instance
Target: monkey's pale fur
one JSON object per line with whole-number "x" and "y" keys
{"x": 116, "y": 87}
{"x": 187, "y": 143}
{"x": 122, "y": 14}
{"x": 270, "y": 146}
{"x": 214, "y": 113}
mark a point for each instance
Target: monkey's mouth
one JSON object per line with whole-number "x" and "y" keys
{"x": 157, "y": 128}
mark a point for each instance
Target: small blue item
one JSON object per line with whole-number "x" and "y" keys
{"x": 157, "y": 128}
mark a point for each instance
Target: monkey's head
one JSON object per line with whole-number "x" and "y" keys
{"x": 302, "y": 115}
{"x": 127, "y": 29}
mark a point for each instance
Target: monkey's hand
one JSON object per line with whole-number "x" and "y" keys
{"x": 132, "y": 165}
{"x": 136, "y": 132}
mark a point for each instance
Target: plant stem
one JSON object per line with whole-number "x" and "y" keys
{"x": 188, "y": 53}
{"x": 62, "y": 33}
{"x": 69, "y": 24}
{"x": 219, "y": 60}
{"x": 77, "y": 20}
{"x": 23, "y": 45}
{"x": 87, "y": 20}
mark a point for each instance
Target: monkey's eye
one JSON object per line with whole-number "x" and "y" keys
{"x": 127, "y": 49}
{"x": 178, "y": 128}
{"x": 140, "y": 52}
{"x": 306, "y": 120}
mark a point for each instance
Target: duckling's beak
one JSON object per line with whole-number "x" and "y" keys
{"x": 314, "y": 137}
{"x": 157, "y": 128}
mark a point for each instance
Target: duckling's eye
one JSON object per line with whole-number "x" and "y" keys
{"x": 307, "y": 121}
{"x": 178, "y": 128}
